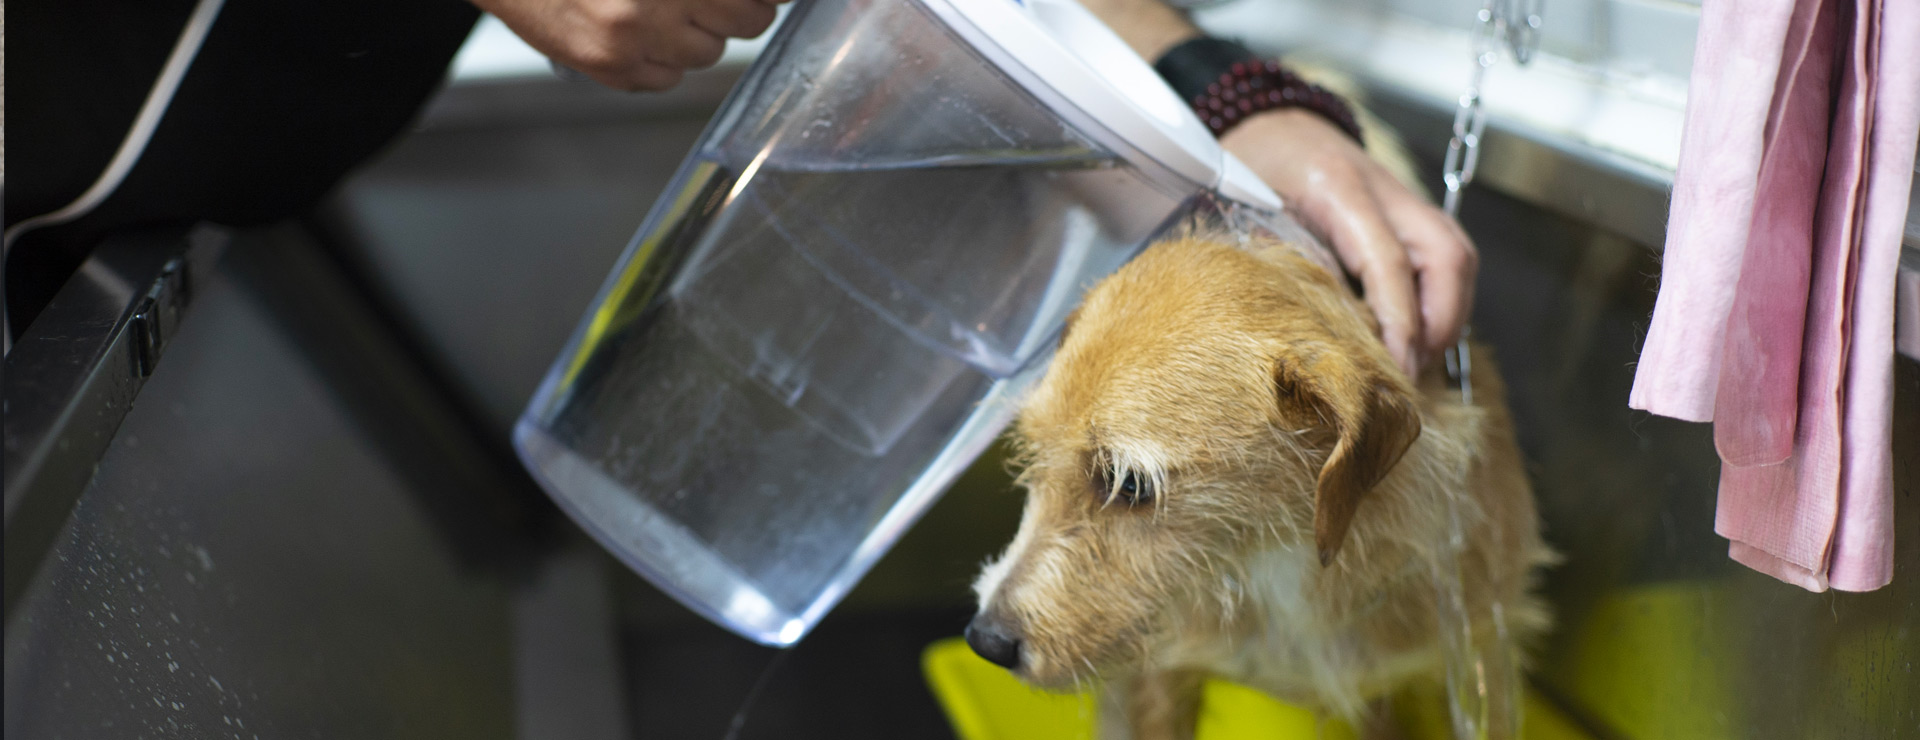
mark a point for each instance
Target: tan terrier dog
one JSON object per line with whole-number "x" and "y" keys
{"x": 1228, "y": 476}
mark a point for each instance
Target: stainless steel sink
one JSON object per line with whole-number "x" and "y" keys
{"x": 314, "y": 482}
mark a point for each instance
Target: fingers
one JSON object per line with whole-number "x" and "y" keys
{"x": 606, "y": 40}
{"x": 643, "y": 57}
{"x": 1345, "y": 209}
{"x": 741, "y": 19}
{"x": 1415, "y": 264}
{"x": 638, "y": 76}
{"x": 1444, "y": 262}
{"x": 633, "y": 44}
{"x": 685, "y": 46}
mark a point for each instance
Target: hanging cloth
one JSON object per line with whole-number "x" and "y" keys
{"x": 1775, "y": 317}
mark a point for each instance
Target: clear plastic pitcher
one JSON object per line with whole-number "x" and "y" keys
{"x": 863, "y": 261}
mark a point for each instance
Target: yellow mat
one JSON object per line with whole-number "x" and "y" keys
{"x": 984, "y": 702}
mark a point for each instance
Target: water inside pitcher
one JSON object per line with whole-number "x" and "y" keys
{"x": 828, "y": 314}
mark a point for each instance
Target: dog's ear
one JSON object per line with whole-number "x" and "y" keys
{"x": 1373, "y": 420}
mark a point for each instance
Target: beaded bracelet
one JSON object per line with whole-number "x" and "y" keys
{"x": 1226, "y": 82}
{"x": 1247, "y": 88}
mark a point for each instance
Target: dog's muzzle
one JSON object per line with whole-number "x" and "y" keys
{"x": 994, "y": 639}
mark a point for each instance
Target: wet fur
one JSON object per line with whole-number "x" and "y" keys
{"x": 1205, "y": 367}
{"x": 1248, "y": 385}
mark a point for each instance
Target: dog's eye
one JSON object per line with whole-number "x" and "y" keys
{"x": 1133, "y": 489}
{"x": 1113, "y": 483}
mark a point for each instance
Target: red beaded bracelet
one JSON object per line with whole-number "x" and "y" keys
{"x": 1250, "y": 87}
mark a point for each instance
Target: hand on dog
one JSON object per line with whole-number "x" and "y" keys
{"x": 633, "y": 44}
{"x": 1416, "y": 265}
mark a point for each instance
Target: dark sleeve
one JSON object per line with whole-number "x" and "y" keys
{"x": 282, "y": 100}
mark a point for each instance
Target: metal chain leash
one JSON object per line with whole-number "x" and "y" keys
{"x": 1476, "y": 713}
{"x": 1517, "y": 24}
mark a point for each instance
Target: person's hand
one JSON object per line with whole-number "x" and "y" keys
{"x": 1415, "y": 264}
{"x": 633, "y": 44}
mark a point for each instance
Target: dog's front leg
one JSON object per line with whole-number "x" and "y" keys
{"x": 1157, "y": 705}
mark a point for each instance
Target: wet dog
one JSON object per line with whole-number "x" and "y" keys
{"x": 1228, "y": 476}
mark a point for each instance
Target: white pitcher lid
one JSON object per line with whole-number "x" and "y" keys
{"x": 1073, "y": 63}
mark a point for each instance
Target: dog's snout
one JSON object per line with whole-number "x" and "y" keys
{"x": 994, "y": 640}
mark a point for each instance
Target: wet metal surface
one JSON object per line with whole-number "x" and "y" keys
{"x": 75, "y": 373}
{"x": 245, "y": 564}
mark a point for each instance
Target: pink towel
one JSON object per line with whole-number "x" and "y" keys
{"x": 1767, "y": 322}
{"x": 1775, "y": 313}
{"x": 1736, "y": 59}
{"x": 1863, "y": 540}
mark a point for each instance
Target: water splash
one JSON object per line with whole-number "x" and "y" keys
{"x": 1465, "y": 672}
{"x": 739, "y": 720}
{"x": 1482, "y": 675}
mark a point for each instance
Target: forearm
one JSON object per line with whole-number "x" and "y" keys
{"x": 1151, "y": 27}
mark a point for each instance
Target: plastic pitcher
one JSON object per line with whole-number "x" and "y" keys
{"x": 865, "y": 258}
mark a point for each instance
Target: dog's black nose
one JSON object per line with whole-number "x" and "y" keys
{"x": 992, "y": 639}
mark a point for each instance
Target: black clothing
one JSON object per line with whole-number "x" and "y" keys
{"x": 283, "y": 98}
